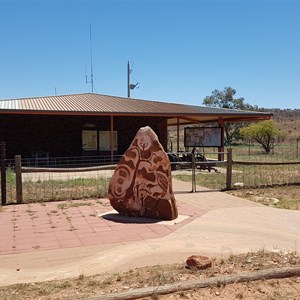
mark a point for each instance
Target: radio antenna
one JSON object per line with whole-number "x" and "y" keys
{"x": 130, "y": 86}
{"x": 91, "y": 81}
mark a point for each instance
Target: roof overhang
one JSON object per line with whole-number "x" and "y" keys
{"x": 184, "y": 120}
{"x": 104, "y": 105}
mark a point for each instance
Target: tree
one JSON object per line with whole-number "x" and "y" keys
{"x": 266, "y": 133}
{"x": 225, "y": 99}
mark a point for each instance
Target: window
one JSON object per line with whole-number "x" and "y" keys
{"x": 104, "y": 140}
{"x": 89, "y": 139}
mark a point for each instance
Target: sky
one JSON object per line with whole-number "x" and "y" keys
{"x": 179, "y": 50}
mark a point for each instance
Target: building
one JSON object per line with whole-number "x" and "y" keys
{"x": 94, "y": 124}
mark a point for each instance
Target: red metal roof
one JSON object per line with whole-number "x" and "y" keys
{"x": 93, "y": 103}
{"x": 97, "y": 104}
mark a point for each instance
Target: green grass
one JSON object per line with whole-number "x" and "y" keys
{"x": 10, "y": 177}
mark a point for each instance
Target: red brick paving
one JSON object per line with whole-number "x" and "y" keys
{"x": 64, "y": 224}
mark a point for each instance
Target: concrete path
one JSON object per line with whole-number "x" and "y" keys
{"x": 211, "y": 222}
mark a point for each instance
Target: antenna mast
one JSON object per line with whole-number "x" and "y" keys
{"x": 91, "y": 59}
{"x": 128, "y": 80}
{"x": 130, "y": 86}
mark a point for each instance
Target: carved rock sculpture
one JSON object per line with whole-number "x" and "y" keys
{"x": 141, "y": 184}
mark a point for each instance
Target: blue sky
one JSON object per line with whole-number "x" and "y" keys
{"x": 179, "y": 50}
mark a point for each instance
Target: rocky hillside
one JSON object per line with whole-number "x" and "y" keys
{"x": 288, "y": 121}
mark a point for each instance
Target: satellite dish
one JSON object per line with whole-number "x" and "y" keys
{"x": 133, "y": 86}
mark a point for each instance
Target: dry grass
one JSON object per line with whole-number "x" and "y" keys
{"x": 159, "y": 275}
{"x": 57, "y": 190}
{"x": 266, "y": 175}
{"x": 288, "y": 196}
{"x": 211, "y": 180}
{"x": 66, "y": 205}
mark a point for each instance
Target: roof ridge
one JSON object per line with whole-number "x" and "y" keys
{"x": 81, "y": 94}
{"x": 42, "y": 97}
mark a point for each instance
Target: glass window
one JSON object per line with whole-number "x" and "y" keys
{"x": 104, "y": 140}
{"x": 89, "y": 139}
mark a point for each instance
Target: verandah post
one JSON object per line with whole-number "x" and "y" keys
{"x": 18, "y": 171}
{"x": 193, "y": 172}
{"x": 3, "y": 173}
{"x": 229, "y": 169}
{"x": 221, "y": 148}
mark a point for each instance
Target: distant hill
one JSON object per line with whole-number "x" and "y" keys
{"x": 288, "y": 121}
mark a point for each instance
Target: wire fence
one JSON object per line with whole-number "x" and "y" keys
{"x": 259, "y": 174}
{"x": 281, "y": 153}
{"x": 66, "y": 162}
{"x": 46, "y": 178}
{"x": 42, "y": 186}
{"x": 54, "y": 184}
{"x": 57, "y": 179}
{"x": 246, "y": 171}
{"x": 197, "y": 168}
{"x": 245, "y": 176}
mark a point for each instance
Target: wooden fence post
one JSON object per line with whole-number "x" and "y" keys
{"x": 18, "y": 171}
{"x": 229, "y": 169}
{"x": 3, "y": 174}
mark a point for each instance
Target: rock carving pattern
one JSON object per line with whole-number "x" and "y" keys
{"x": 141, "y": 184}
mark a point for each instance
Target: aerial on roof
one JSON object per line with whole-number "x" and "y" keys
{"x": 97, "y": 104}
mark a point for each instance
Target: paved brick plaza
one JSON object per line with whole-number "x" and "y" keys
{"x": 64, "y": 224}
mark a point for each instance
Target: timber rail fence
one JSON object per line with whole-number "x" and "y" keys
{"x": 32, "y": 184}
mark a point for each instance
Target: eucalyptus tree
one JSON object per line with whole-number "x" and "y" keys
{"x": 225, "y": 99}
